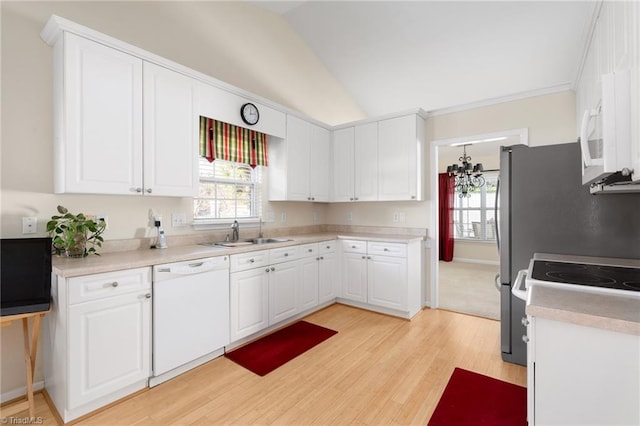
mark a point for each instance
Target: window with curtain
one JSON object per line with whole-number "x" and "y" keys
{"x": 229, "y": 173}
{"x": 474, "y": 217}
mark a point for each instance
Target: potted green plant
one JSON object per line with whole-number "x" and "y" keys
{"x": 70, "y": 234}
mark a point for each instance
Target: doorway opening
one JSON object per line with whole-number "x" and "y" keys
{"x": 467, "y": 283}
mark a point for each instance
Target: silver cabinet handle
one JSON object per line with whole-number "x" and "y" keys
{"x": 368, "y": 257}
{"x": 351, "y": 199}
{"x": 321, "y": 258}
{"x": 313, "y": 198}
{"x": 352, "y": 247}
{"x": 286, "y": 254}
{"x": 266, "y": 270}
{"x": 317, "y": 258}
{"x": 364, "y": 257}
{"x": 273, "y": 268}
{"x": 149, "y": 190}
{"x": 138, "y": 189}
{"x": 328, "y": 247}
{"x": 310, "y": 250}
{"x": 386, "y": 249}
{"x": 413, "y": 197}
{"x": 114, "y": 284}
{"x": 251, "y": 260}
{"x": 524, "y": 321}
{"x": 356, "y": 198}
{"x": 147, "y": 296}
{"x": 525, "y": 338}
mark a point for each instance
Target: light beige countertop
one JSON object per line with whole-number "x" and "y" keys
{"x": 114, "y": 261}
{"x": 605, "y": 311}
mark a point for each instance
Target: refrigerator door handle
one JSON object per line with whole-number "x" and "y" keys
{"x": 495, "y": 213}
{"x": 518, "y": 288}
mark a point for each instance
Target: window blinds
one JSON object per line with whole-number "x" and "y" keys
{"x": 224, "y": 141}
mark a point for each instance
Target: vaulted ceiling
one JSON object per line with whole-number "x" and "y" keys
{"x": 395, "y": 55}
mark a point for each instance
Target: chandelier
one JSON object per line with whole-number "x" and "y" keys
{"x": 468, "y": 176}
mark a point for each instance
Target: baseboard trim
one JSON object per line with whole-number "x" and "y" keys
{"x": 477, "y": 261}
{"x": 21, "y": 392}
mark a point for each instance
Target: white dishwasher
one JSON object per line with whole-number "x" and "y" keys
{"x": 190, "y": 315}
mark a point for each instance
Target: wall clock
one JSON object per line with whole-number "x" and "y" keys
{"x": 249, "y": 113}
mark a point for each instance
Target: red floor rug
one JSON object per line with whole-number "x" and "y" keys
{"x": 270, "y": 352}
{"x": 473, "y": 399}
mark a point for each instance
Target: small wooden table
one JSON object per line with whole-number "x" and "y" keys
{"x": 29, "y": 357}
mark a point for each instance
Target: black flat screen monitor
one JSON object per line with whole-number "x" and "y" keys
{"x": 25, "y": 275}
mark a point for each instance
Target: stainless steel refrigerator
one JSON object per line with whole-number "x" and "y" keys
{"x": 545, "y": 208}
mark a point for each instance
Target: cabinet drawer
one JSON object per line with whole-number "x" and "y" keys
{"x": 387, "y": 249}
{"x": 108, "y": 284}
{"x": 354, "y": 246}
{"x": 327, "y": 246}
{"x": 250, "y": 260}
{"x": 283, "y": 254}
{"x": 308, "y": 250}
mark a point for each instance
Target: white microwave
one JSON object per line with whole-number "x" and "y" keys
{"x": 605, "y": 134}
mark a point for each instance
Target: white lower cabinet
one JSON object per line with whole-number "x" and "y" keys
{"x": 283, "y": 291}
{"x": 354, "y": 277}
{"x": 387, "y": 281}
{"x": 249, "y": 302}
{"x": 580, "y": 375}
{"x": 327, "y": 271}
{"x": 383, "y": 276}
{"x": 97, "y": 340}
{"x": 309, "y": 277}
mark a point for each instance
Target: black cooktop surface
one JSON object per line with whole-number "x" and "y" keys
{"x": 614, "y": 277}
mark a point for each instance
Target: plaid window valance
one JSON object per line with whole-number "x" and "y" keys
{"x": 223, "y": 141}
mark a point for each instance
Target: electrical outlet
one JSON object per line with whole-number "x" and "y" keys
{"x": 29, "y": 225}
{"x": 349, "y": 216}
{"x": 271, "y": 217}
{"x": 402, "y": 216}
{"x": 178, "y": 219}
{"x": 396, "y": 217}
{"x": 315, "y": 216}
{"x": 283, "y": 217}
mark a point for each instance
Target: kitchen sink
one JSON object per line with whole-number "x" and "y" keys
{"x": 250, "y": 242}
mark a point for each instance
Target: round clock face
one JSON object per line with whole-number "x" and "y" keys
{"x": 249, "y": 113}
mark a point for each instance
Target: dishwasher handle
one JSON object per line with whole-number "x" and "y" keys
{"x": 191, "y": 268}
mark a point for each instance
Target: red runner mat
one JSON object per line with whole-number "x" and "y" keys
{"x": 270, "y": 352}
{"x": 474, "y": 399}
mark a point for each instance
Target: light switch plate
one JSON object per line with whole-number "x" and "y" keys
{"x": 178, "y": 219}
{"x": 29, "y": 225}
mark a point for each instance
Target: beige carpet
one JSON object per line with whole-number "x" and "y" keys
{"x": 469, "y": 288}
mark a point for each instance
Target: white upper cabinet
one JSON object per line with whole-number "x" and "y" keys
{"x": 320, "y": 163}
{"x": 343, "y": 164}
{"x": 401, "y": 158}
{"x": 366, "y": 162}
{"x": 170, "y": 133}
{"x": 97, "y": 118}
{"x": 299, "y": 164}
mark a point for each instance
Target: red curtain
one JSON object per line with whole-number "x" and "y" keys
{"x": 446, "y": 192}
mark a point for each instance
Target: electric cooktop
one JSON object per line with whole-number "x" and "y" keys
{"x": 612, "y": 277}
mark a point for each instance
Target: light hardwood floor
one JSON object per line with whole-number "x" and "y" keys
{"x": 376, "y": 370}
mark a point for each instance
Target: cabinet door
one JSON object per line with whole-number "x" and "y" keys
{"x": 354, "y": 277}
{"x": 327, "y": 273}
{"x": 400, "y": 152}
{"x": 387, "y": 284}
{"x": 366, "y": 162}
{"x": 249, "y": 302}
{"x": 298, "y": 134}
{"x": 283, "y": 291}
{"x": 319, "y": 170}
{"x": 308, "y": 282}
{"x": 343, "y": 164}
{"x": 109, "y": 346}
{"x": 98, "y": 146}
{"x": 170, "y": 133}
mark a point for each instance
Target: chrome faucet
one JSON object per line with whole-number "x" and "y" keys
{"x": 235, "y": 226}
